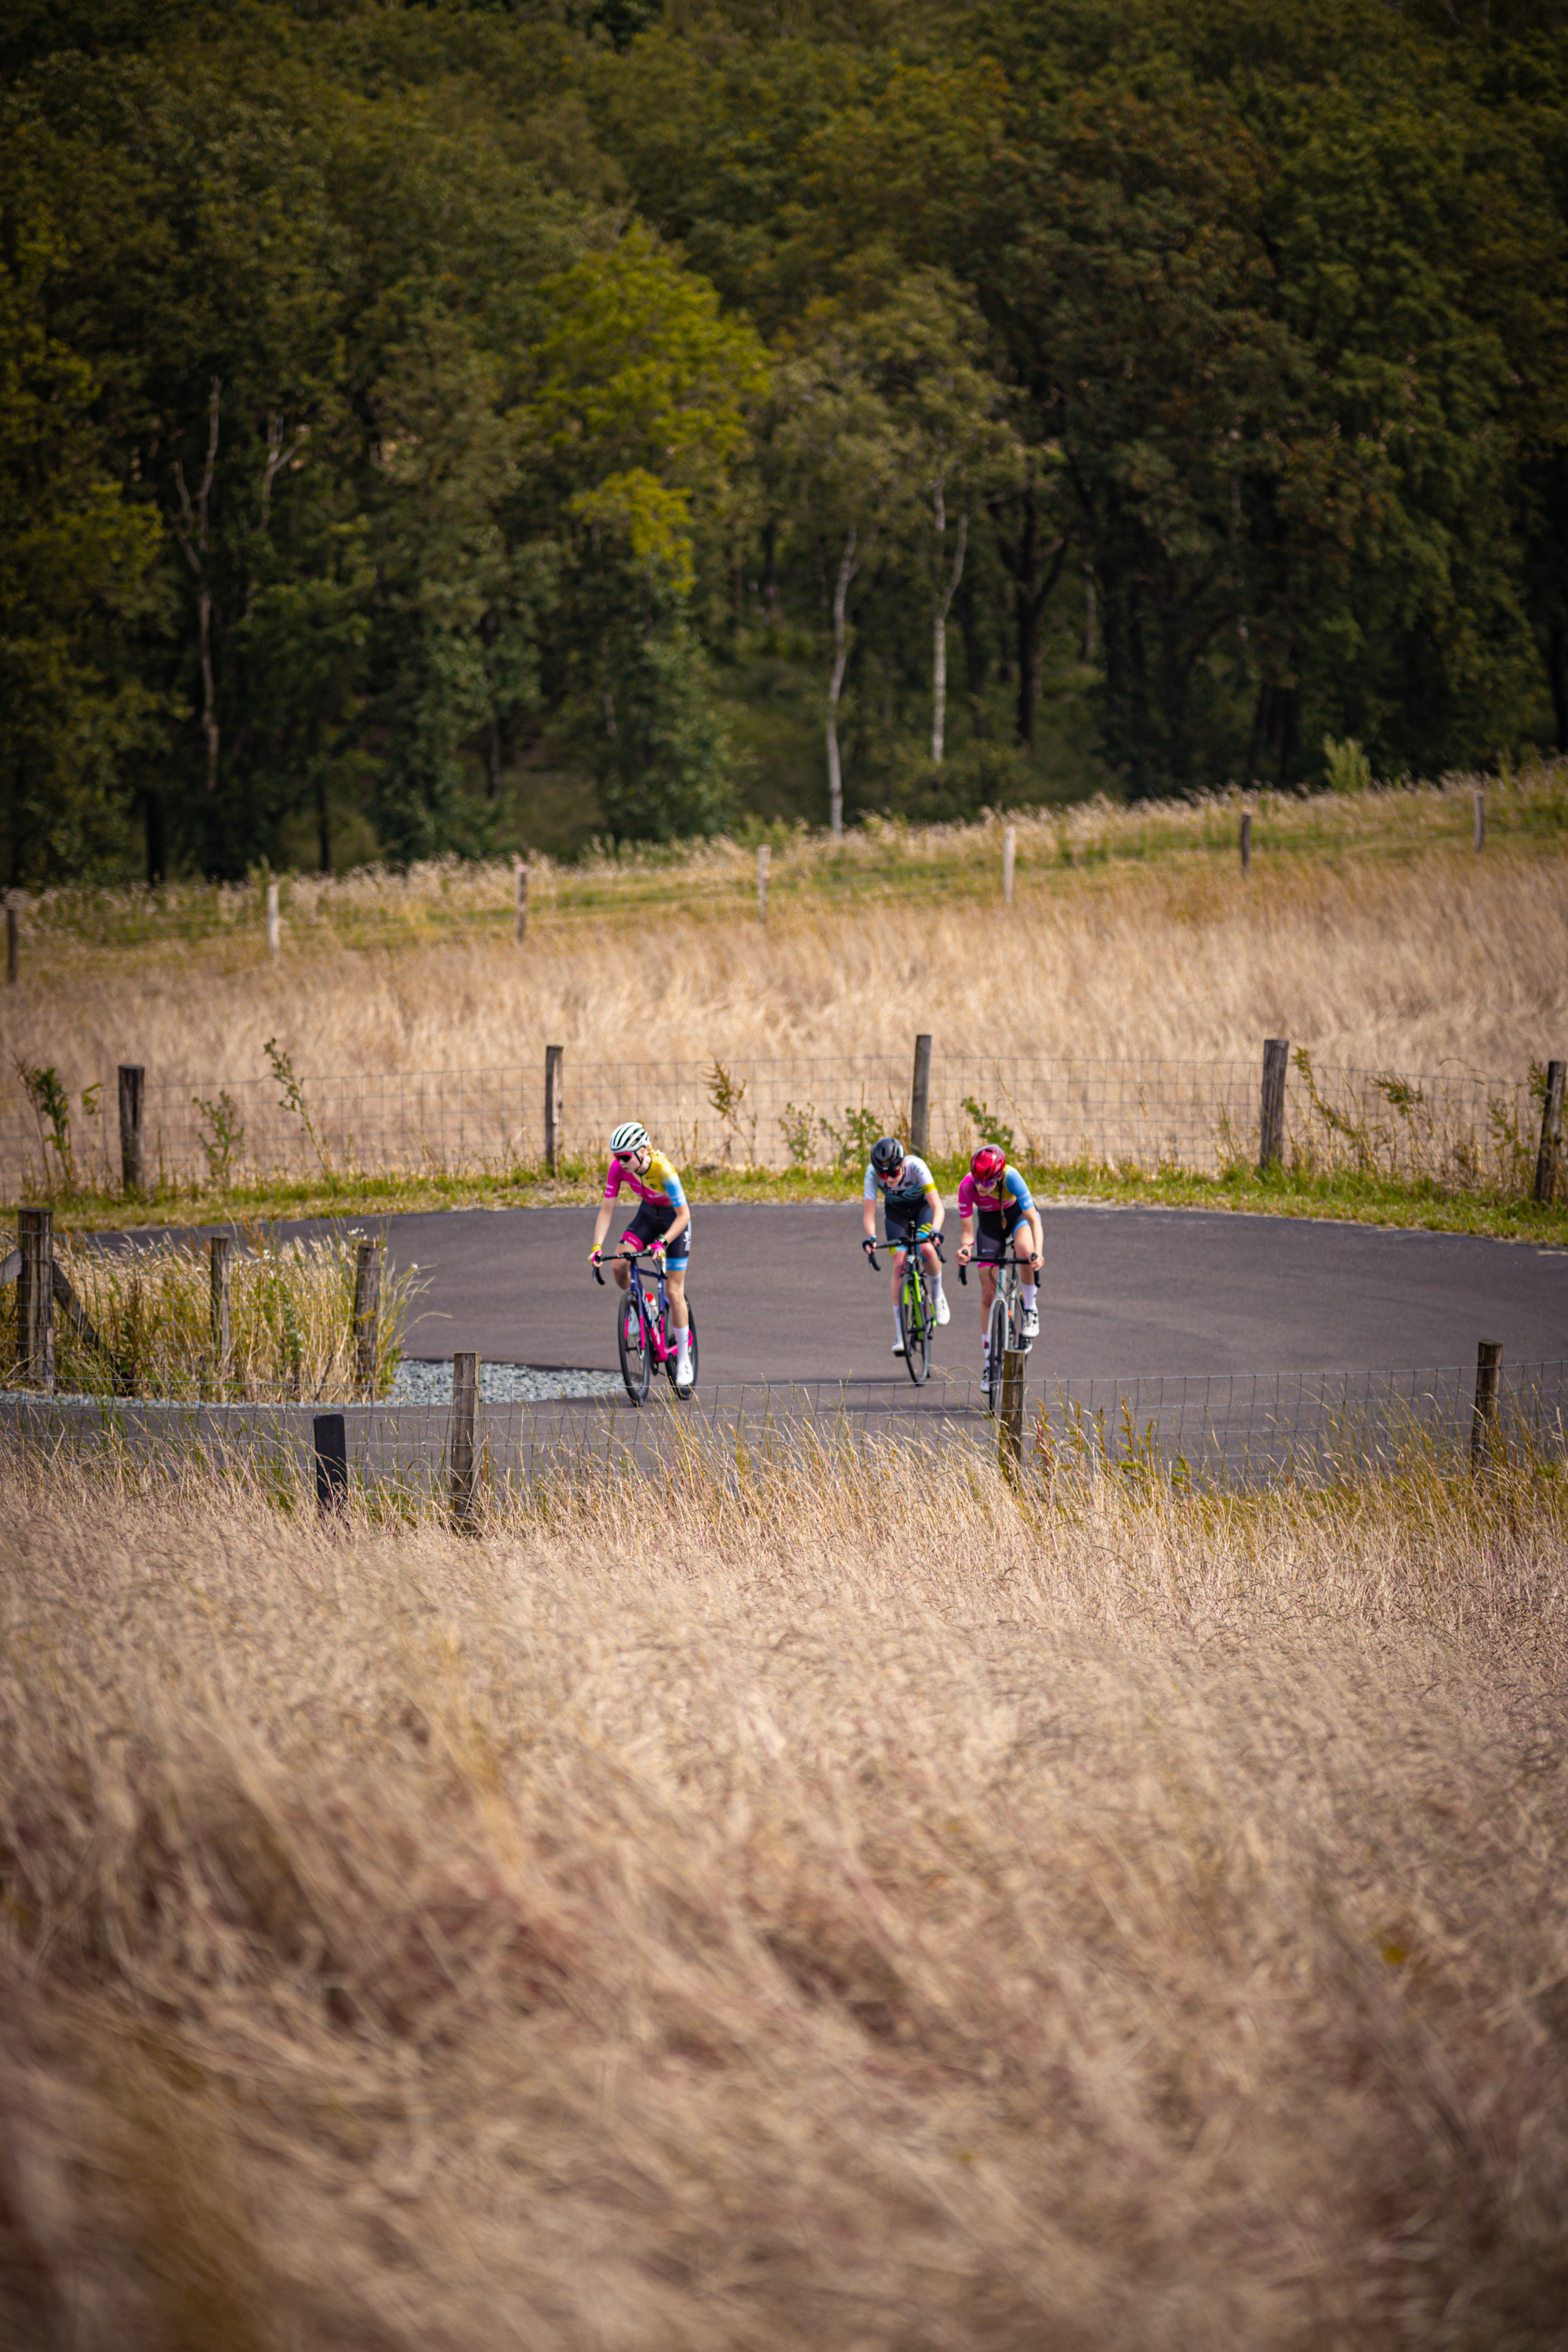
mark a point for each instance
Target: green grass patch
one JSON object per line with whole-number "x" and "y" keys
{"x": 1359, "y": 1199}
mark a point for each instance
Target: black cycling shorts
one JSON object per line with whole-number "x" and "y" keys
{"x": 990, "y": 1228}
{"x": 651, "y": 1219}
{"x": 902, "y": 1224}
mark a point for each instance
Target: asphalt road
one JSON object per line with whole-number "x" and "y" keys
{"x": 781, "y": 1293}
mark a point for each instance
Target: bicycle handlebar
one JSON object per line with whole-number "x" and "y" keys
{"x": 626, "y": 1257}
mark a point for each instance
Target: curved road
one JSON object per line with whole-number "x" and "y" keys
{"x": 781, "y": 1293}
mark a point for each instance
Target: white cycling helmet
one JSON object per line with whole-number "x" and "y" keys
{"x": 632, "y": 1137}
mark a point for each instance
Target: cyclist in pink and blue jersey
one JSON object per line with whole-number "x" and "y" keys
{"x": 1008, "y": 1218}
{"x": 662, "y": 1222}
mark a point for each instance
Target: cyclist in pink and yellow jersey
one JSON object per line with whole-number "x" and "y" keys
{"x": 1008, "y": 1221}
{"x": 662, "y": 1222}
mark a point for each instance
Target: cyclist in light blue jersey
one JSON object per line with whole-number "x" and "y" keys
{"x": 911, "y": 1208}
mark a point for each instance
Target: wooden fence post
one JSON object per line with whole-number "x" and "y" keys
{"x": 463, "y": 1473}
{"x": 367, "y": 1313}
{"x": 1009, "y": 862}
{"x": 12, "y": 943}
{"x": 1483, "y": 1420}
{"x": 132, "y": 1161}
{"x": 1246, "y": 841}
{"x": 520, "y": 919}
{"x": 36, "y": 1299}
{"x": 274, "y": 936}
{"x": 1271, "y": 1142}
{"x": 1010, "y": 1415}
{"x": 919, "y": 1098}
{"x": 1551, "y": 1133}
{"x": 220, "y": 1250}
{"x": 1480, "y": 822}
{"x": 330, "y": 1442}
{"x": 764, "y": 859}
{"x": 551, "y": 1106}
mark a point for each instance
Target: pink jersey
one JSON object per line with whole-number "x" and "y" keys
{"x": 662, "y": 1185}
{"x": 1009, "y": 1187}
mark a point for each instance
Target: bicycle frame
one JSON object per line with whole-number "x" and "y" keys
{"x": 652, "y": 1319}
{"x": 654, "y": 1322}
{"x": 916, "y": 1317}
{"x": 1005, "y": 1298}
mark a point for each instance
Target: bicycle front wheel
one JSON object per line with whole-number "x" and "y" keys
{"x": 996, "y": 1343}
{"x": 914, "y": 1325}
{"x": 632, "y": 1338}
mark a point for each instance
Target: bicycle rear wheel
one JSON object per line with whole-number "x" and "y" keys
{"x": 996, "y": 1339}
{"x": 669, "y": 1335}
{"x": 914, "y": 1325}
{"x": 632, "y": 1339}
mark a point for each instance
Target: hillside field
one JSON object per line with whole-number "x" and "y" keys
{"x": 1367, "y": 931}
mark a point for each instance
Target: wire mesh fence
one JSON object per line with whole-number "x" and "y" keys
{"x": 1206, "y": 1430}
{"x": 1461, "y": 1129}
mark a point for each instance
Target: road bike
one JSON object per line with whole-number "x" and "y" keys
{"x": 917, "y": 1302}
{"x": 643, "y": 1332}
{"x": 1004, "y": 1324}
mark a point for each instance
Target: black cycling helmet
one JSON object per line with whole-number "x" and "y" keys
{"x": 886, "y": 1154}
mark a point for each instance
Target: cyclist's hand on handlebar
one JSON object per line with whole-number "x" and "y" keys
{"x": 869, "y": 1246}
{"x": 965, "y": 1251}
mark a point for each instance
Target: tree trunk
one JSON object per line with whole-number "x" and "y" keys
{"x": 1021, "y": 556}
{"x": 848, "y": 564}
{"x": 1276, "y": 731}
{"x": 152, "y": 822}
{"x": 1557, "y": 671}
{"x": 973, "y": 654}
{"x": 323, "y": 826}
{"x": 771, "y": 574}
{"x": 1088, "y": 650}
{"x": 1026, "y": 617}
{"x": 192, "y": 537}
{"x": 939, "y": 628}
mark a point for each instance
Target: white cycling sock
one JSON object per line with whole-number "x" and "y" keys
{"x": 898, "y": 1326}
{"x": 1028, "y": 1290}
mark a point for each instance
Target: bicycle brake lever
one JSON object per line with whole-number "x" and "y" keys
{"x": 963, "y": 1274}
{"x": 598, "y": 1277}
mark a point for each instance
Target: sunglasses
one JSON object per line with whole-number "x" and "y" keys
{"x": 626, "y": 1158}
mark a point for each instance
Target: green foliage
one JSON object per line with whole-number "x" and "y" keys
{"x": 51, "y": 1108}
{"x": 665, "y": 767}
{"x": 221, "y": 1136}
{"x": 281, "y": 1065}
{"x": 988, "y": 1127}
{"x": 852, "y": 1142}
{"x": 1346, "y": 768}
{"x": 1020, "y": 397}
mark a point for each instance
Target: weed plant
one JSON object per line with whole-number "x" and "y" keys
{"x": 149, "y": 1307}
{"x": 771, "y": 1908}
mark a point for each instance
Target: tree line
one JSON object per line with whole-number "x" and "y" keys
{"x": 421, "y": 425}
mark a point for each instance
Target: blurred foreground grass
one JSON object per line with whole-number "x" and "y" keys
{"x": 780, "y": 1904}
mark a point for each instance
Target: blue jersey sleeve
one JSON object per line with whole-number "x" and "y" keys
{"x": 1012, "y": 1183}
{"x": 673, "y": 1187}
{"x": 870, "y": 1181}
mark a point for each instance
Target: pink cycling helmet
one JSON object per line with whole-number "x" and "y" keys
{"x": 987, "y": 1165}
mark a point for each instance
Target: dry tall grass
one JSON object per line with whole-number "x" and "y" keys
{"x": 851, "y": 1913}
{"x": 1449, "y": 959}
{"x": 291, "y": 1326}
